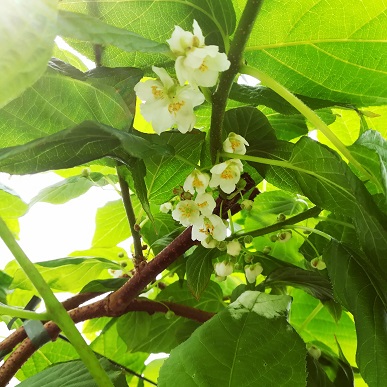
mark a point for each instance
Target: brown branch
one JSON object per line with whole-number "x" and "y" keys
{"x": 27, "y": 349}
{"x": 19, "y": 335}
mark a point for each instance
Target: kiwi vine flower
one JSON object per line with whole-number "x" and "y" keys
{"x": 167, "y": 104}
{"x": 234, "y": 248}
{"x": 187, "y": 213}
{"x": 223, "y": 269}
{"x": 209, "y": 228}
{"x": 196, "y": 181}
{"x": 196, "y": 63}
{"x": 252, "y": 272}
{"x": 235, "y": 143}
{"x": 226, "y": 175}
{"x": 206, "y": 203}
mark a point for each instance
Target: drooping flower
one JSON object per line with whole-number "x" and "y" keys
{"x": 235, "y": 143}
{"x": 223, "y": 269}
{"x": 318, "y": 263}
{"x": 252, "y": 272}
{"x": 247, "y": 204}
{"x": 226, "y": 175}
{"x": 234, "y": 248}
{"x": 209, "y": 226}
{"x": 196, "y": 63}
{"x": 196, "y": 181}
{"x": 284, "y": 236}
{"x": 187, "y": 213}
{"x": 167, "y": 104}
{"x": 206, "y": 203}
{"x": 166, "y": 207}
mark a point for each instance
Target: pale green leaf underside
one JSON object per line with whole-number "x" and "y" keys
{"x": 27, "y": 33}
{"x": 344, "y": 40}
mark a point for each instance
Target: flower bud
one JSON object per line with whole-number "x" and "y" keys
{"x": 284, "y": 236}
{"x": 318, "y": 263}
{"x": 247, "y": 205}
{"x": 222, "y": 246}
{"x": 223, "y": 269}
{"x": 234, "y": 248}
{"x": 241, "y": 184}
{"x": 166, "y": 207}
{"x": 281, "y": 217}
{"x": 266, "y": 250}
{"x": 123, "y": 264}
{"x": 273, "y": 238}
{"x": 314, "y": 351}
{"x": 86, "y": 172}
{"x": 121, "y": 254}
{"x": 178, "y": 191}
{"x": 170, "y": 314}
{"x": 252, "y": 272}
{"x": 248, "y": 239}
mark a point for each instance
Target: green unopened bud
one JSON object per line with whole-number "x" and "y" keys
{"x": 123, "y": 264}
{"x": 284, "y": 236}
{"x": 281, "y": 218}
{"x": 86, "y": 172}
{"x": 266, "y": 250}
{"x": 186, "y": 196}
{"x": 241, "y": 184}
{"x": 247, "y": 205}
{"x": 318, "y": 263}
{"x": 237, "y": 266}
{"x": 248, "y": 258}
{"x": 273, "y": 238}
{"x": 222, "y": 245}
{"x": 121, "y": 254}
{"x": 314, "y": 351}
{"x": 248, "y": 239}
{"x": 169, "y": 315}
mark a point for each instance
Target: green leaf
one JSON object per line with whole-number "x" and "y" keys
{"x": 27, "y": 35}
{"x": 216, "y": 18}
{"x": 343, "y": 50}
{"x": 155, "y": 333}
{"x": 104, "y": 285}
{"x": 316, "y": 374}
{"x": 66, "y": 274}
{"x": 74, "y": 146}
{"x": 12, "y": 207}
{"x": 74, "y": 374}
{"x": 200, "y": 268}
{"x": 56, "y": 102}
{"x": 70, "y": 188}
{"x": 91, "y": 29}
{"x": 112, "y": 225}
{"x": 261, "y": 95}
{"x": 5, "y": 282}
{"x": 253, "y": 335}
{"x": 310, "y": 281}
{"x": 58, "y": 351}
{"x": 165, "y": 172}
{"x": 355, "y": 291}
{"x": 322, "y": 327}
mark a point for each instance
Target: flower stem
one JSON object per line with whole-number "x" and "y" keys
{"x": 310, "y": 115}
{"x": 312, "y": 315}
{"x": 226, "y": 79}
{"x": 55, "y": 309}
{"x": 22, "y": 313}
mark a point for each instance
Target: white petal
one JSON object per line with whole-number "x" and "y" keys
{"x": 180, "y": 41}
{"x": 198, "y": 32}
{"x": 164, "y": 77}
{"x": 144, "y": 90}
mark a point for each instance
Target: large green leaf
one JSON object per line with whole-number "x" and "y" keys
{"x": 249, "y": 343}
{"x": 91, "y": 29}
{"x": 157, "y": 333}
{"x": 12, "y": 208}
{"x": 200, "y": 268}
{"x": 65, "y": 274}
{"x": 314, "y": 34}
{"x": 58, "y": 351}
{"x": 71, "y": 188}
{"x": 74, "y": 374}
{"x": 83, "y": 143}
{"x": 353, "y": 288}
{"x": 60, "y": 101}
{"x": 27, "y": 39}
{"x": 216, "y": 17}
{"x": 164, "y": 172}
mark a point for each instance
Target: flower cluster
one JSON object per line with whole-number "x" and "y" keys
{"x": 169, "y": 102}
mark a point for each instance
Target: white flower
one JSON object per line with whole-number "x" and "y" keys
{"x": 235, "y": 143}
{"x": 234, "y": 248}
{"x": 318, "y": 263}
{"x": 284, "y": 236}
{"x": 226, "y": 175}
{"x": 206, "y": 203}
{"x": 223, "y": 269}
{"x": 252, "y": 272}
{"x": 115, "y": 273}
{"x": 167, "y": 103}
{"x": 209, "y": 226}
{"x": 187, "y": 213}
{"x": 196, "y": 63}
{"x": 166, "y": 207}
{"x": 196, "y": 181}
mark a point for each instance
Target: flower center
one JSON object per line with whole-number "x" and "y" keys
{"x": 203, "y": 67}
{"x": 175, "y": 107}
{"x": 158, "y": 93}
{"x": 227, "y": 174}
{"x": 186, "y": 211}
{"x": 197, "y": 182}
{"x": 235, "y": 144}
{"x": 201, "y": 205}
{"x": 208, "y": 228}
